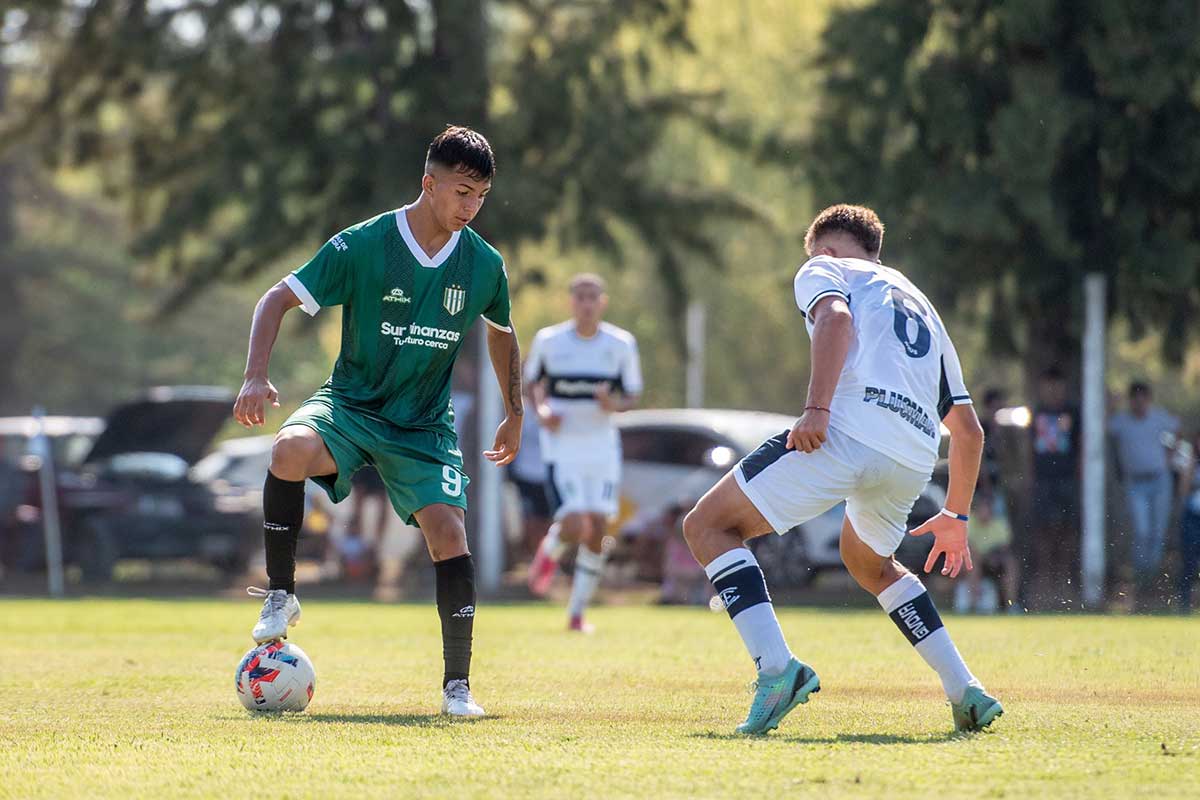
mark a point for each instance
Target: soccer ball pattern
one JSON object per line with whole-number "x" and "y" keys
{"x": 275, "y": 677}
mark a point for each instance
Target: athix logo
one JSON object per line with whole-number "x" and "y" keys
{"x": 339, "y": 244}
{"x": 464, "y": 612}
{"x": 454, "y": 298}
{"x": 397, "y": 296}
{"x": 729, "y": 596}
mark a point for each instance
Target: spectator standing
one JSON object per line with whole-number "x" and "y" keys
{"x": 989, "y": 471}
{"x": 1140, "y": 437}
{"x": 1054, "y": 516}
{"x": 1189, "y": 530}
{"x": 528, "y": 474}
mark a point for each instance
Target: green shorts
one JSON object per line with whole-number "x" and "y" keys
{"x": 419, "y": 467}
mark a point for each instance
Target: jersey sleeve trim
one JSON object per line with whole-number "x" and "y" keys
{"x": 496, "y": 325}
{"x": 307, "y": 301}
{"x": 820, "y": 296}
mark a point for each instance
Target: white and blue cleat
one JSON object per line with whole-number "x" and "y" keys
{"x": 279, "y": 612}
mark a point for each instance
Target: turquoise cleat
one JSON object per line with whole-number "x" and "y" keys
{"x": 775, "y": 696}
{"x": 976, "y": 711}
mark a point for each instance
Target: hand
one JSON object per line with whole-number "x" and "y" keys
{"x": 809, "y": 432}
{"x": 508, "y": 442}
{"x": 606, "y": 400}
{"x": 548, "y": 419}
{"x": 949, "y": 538}
{"x": 251, "y": 401}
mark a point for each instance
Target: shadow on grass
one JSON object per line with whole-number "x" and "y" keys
{"x": 841, "y": 738}
{"x": 401, "y": 720}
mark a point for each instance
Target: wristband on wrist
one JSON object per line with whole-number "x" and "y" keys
{"x": 816, "y": 408}
{"x": 960, "y": 517}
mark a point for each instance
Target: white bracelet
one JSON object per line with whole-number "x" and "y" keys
{"x": 952, "y": 515}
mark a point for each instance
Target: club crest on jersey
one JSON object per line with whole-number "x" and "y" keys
{"x": 454, "y": 298}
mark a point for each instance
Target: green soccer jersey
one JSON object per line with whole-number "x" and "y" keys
{"x": 404, "y": 315}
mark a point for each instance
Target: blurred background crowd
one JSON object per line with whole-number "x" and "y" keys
{"x": 148, "y": 485}
{"x": 162, "y": 162}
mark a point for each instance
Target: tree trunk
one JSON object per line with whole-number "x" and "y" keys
{"x": 459, "y": 63}
{"x": 12, "y": 321}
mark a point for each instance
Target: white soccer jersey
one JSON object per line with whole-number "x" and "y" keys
{"x": 573, "y": 368}
{"x": 902, "y": 373}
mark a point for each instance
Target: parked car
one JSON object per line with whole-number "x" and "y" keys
{"x": 673, "y": 456}
{"x": 133, "y": 495}
{"x": 70, "y": 440}
{"x": 235, "y": 471}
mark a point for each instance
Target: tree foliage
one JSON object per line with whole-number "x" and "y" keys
{"x": 1016, "y": 146}
{"x": 240, "y": 133}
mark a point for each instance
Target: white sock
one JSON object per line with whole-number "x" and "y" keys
{"x": 740, "y": 585}
{"x": 588, "y": 567}
{"x": 552, "y": 545}
{"x": 908, "y": 604}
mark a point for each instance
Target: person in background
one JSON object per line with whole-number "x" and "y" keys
{"x": 581, "y": 373}
{"x": 989, "y": 470}
{"x": 1140, "y": 438}
{"x": 1055, "y": 495}
{"x": 528, "y": 474}
{"x": 991, "y": 542}
{"x": 1189, "y": 530}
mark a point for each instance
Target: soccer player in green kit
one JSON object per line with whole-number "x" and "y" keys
{"x": 410, "y": 283}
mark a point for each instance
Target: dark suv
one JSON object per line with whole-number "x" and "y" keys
{"x": 133, "y": 494}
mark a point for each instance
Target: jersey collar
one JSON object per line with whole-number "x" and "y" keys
{"x": 417, "y": 252}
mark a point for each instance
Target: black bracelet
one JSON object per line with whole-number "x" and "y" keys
{"x": 817, "y": 408}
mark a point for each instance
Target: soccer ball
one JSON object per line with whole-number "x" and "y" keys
{"x": 275, "y": 677}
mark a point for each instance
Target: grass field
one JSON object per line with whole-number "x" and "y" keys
{"x": 129, "y": 698}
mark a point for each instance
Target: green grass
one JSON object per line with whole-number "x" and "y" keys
{"x": 130, "y": 698}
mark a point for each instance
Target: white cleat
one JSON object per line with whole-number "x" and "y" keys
{"x": 280, "y": 610}
{"x": 457, "y": 701}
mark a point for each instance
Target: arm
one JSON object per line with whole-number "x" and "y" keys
{"x": 833, "y": 332}
{"x": 630, "y": 379}
{"x": 949, "y": 533}
{"x": 546, "y": 416}
{"x": 505, "y": 354}
{"x": 615, "y": 403}
{"x": 966, "y": 450}
{"x": 257, "y": 390}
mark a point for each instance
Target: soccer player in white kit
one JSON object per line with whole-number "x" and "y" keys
{"x": 883, "y": 371}
{"x": 581, "y": 372}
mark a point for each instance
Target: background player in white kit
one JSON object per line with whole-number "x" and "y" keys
{"x": 580, "y": 372}
{"x": 883, "y": 371}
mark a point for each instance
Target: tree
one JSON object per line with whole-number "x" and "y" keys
{"x": 1015, "y": 146}
{"x": 241, "y": 134}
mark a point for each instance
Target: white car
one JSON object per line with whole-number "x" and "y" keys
{"x": 673, "y": 456}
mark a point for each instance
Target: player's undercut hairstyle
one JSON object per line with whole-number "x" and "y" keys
{"x": 460, "y": 148}
{"x": 588, "y": 279}
{"x": 859, "y": 222}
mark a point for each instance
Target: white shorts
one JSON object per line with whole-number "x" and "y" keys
{"x": 589, "y": 488}
{"x": 789, "y": 487}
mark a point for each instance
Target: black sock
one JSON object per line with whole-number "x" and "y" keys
{"x": 456, "y": 607}
{"x": 283, "y": 514}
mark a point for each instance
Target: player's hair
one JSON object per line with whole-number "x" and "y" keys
{"x": 1139, "y": 387}
{"x": 587, "y": 279}
{"x": 859, "y": 222}
{"x": 462, "y": 149}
